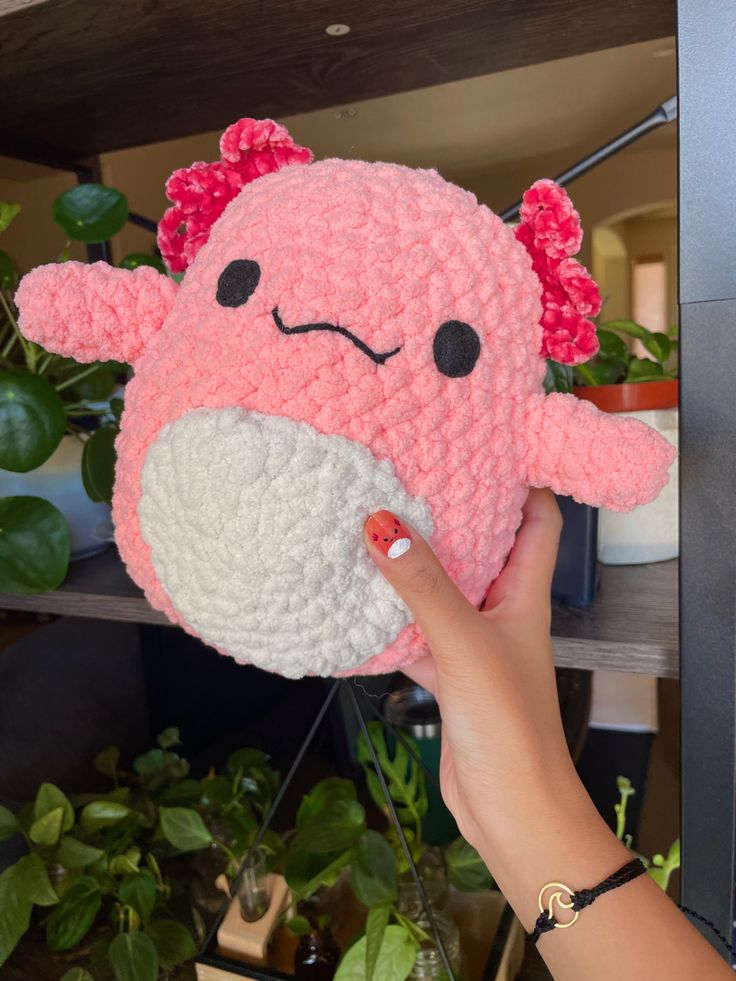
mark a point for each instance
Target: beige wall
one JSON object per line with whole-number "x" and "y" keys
{"x": 33, "y": 238}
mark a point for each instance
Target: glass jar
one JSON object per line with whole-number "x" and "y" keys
{"x": 429, "y": 963}
{"x": 254, "y": 887}
{"x": 433, "y": 874}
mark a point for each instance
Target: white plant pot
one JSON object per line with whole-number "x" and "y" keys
{"x": 59, "y": 480}
{"x": 648, "y": 533}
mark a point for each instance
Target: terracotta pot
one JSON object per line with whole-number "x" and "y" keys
{"x": 631, "y": 396}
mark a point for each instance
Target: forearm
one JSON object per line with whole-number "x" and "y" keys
{"x": 633, "y": 932}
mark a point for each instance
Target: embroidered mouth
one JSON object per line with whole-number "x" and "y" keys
{"x": 376, "y": 356}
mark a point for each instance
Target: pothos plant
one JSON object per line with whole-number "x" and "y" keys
{"x": 101, "y": 859}
{"x": 45, "y": 397}
{"x": 332, "y": 839}
{"x": 615, "y": 363}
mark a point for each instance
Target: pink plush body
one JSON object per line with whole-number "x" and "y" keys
{"x": 390, "y": 254}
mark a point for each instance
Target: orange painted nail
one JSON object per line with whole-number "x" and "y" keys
{"x": 388, "y": 533}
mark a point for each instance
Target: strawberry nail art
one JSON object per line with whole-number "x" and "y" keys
{"x": 388, "y": 533}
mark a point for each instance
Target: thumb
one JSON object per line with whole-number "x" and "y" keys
{"x": 415, "y": 572}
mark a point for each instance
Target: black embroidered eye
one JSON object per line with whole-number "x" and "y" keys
{"x": 456, "y": 348}
{"x": 237, "y": 282}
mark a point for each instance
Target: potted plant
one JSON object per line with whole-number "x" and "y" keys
{"x": 103, "y": 873}
{"x": 58, "y": 421}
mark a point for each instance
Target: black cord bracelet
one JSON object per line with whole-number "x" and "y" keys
{"x": 578, "y": 900}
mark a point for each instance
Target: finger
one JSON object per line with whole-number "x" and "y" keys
{"x": 412, "y": 568}
{"x": 527, "y": 577}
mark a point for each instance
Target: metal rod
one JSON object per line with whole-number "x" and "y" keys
{"x": 142, "y": 222}
{"x": 401, "y": 836}
{"x": 664, "y": 113}
{"x": 266, "y": 823}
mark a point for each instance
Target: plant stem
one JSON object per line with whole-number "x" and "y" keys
{"x": 27, "y": 347}
{"x": 45, "y": 363}
{"x": 76, "y": 378}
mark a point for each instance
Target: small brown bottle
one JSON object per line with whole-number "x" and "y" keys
{"x": 317, "y": 956}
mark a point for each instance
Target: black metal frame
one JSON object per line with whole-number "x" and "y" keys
{"x": 707, "y": 283}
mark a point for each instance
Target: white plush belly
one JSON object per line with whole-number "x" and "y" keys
{"x": 255, "y": 528}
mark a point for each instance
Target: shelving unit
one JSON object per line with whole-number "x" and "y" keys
{"x": 631, "y": 626}
{"x": 86, "y": 81}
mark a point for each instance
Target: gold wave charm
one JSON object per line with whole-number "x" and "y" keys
{"x": 556, "y": 897}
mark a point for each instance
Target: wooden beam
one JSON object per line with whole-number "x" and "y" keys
{"x": 88, "y": 77}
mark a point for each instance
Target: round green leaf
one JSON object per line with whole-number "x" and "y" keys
{"x": 75, "y": 914}
{"x": 74, "y": 854}
{"x": 611, "y": 346}
{"x": 643, "y": 369}
{"x": 299, "y": 925}
{"x": 173, "y": 942}
{"x": 135, "y": 259}
{"x": 46, "y": 830}
{"x": 15, "y": 915}
{"x": 77, "y": 974}
{"x": 138, "y": 889}
{"x": 91, "y": 212}
{"x": 8, "y": 272}
{"x": 102, "y": 814}
{"x": 98, "y": 465}
{"x": 335, "y": 828}
{"x": 374, "y": 870}
{"x": 395, "y": 958}
{"x": 32, "y": 881}
{"x": 8, "y": 823}
{"x": 34, "y": 545}
{"x": 184, "y": 828}
{"x": 48, "y": 797}
{"x": 466, "y": 869}
{"x": 133, "y": 957}
{"x": 658, "y": 346}
{"x": 32, "y": 421}
{"x": 97, "y": 386}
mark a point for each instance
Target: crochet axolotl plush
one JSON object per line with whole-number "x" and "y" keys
{"x": 348, "y": 337}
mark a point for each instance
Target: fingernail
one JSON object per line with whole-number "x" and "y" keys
{"x": 388, "y": 533}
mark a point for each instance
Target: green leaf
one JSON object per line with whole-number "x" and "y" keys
{"x": 97, "y": 386}
{"x": 404, "y": 777}
{"x": 169, "y": 737}
{"x": 102, "y": 814}
{"x": 628, "y": 327}
{"x": 126, "y": 862}
{"x": 374, "y": 870}
{"x": 598, "y": 373}
{"x": 7, "y": 214}
{"x": 299, "y": 925}
{"x": 173, "y": 942}
{"x": 182, "y": 792}
{"x": 32, "y": 421}
{"x": 116, "y": 407}
{"x": 243, "y": 759}
{"x": 98, "y": 464}
{"x": 91, "y": 212}
{"x": 304, "y": 872}
{"x": 107, "y": 761}
{"x": 135, "y": 259}
{"x": 8, "y": 272}
{"x": 47, "y": 829}
{"x": 466, "y": 869}
{"x": 77, "y": 974}
{"x": 72, "y": 918}
{"x": 50, "y": 797}
{"x": 139, "y": 891}
{"x": 8, "y": 823}
{"x": 673, "y": 332}
{"x": 75, "y": 854}
{"x": 337, "y": 827}
{"x": 32, "y": 881}
{"x": 133, "y": 957}
{"x": 394, "y": 962}
{"x": 658, "y": 346}
{"x": 322, "y": 794}
{"x": 15, "y": 914}
{"x": 557, "y": 377}
{"x": 184, "y": 828}
{"x": 662, "y": 868}
{"x": 643, "y": 369}
{"x": 375, "y": 931}
{"x": 34, "y": 545}
{"x": 611, "y": 346}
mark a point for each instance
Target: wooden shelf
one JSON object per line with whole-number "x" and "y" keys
{"x": 631, "y": 626}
